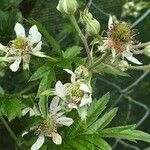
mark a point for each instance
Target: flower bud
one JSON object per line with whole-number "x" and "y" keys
{"x": 67, "y": 6}
{"x": 123, "y": 65}
{"x": 82, "y": 73}
{"x": 92, "y": 25}
{"x": 147, "y": 51}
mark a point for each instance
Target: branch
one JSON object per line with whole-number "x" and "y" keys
{"x": 73, "y": 20}
{"x": 145, "y": 67}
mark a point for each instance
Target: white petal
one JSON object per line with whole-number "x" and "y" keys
{"x": 129, "y": 56}
{"x": 40, "y": 54}
{"x": 26, "y": 61}
{"x": 65, "y": 121}
{"x": 19, "y": 29}
{"x": 25, "y": 111}
{"x": 54, "y": 106}
{"x": 56, "y": 138}
{"x": 72, "y": 105}
{"x": 34, "y": 35}
{"x": 24, "y": 133}
{"x": 38, "y": 143}
{"x": 73, "y": 76}
{"x": 110, "y": 22}
{"x": 85, "y": 88}
{"x": 60, "y": 90}
{"x": 85, "y": 101}
{"x": 37, "y": 47}
{"x": 15, "y": 66}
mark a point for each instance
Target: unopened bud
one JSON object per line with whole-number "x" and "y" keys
{"x": 147, "y": 51}
{"x": 67, "y": 6}
{"x": 82, "y": 73}
{"x": 92, "y": 25}
{"x": 123, "y": 65}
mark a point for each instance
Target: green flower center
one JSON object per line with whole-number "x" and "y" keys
{"x": 121, "y": 32}
{"x": 20, "y": 43}
{"x": 74, "y": 92}
{"x": 47, "y": 127}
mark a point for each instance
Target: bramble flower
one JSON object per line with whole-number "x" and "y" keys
{"x": 23, "y": 46}
{"x": 76, "y": 94}
{"x": 49, "y": 125}
{"x": 120, "y": 37}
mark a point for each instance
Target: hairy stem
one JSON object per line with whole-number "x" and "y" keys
{"x": 103, "y": 57}
{"x": 145, "y": 67}
{"x": 83, "y": 38}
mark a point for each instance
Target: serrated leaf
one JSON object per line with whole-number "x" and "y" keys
{"x": 107, "y": 69}
{"x": 103, "y": 121}
{"x": 40, "y": 72}
{"x": 98, "y": 142}
{"x": 44, "y": 85}
{"x": 11, "y": 107}
{"x": 128, "y": 134}
{"x": 96, "y": 108}
{"x": 71, "y": 52}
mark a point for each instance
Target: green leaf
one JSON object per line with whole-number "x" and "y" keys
{"x": 99, "y": 142}
{"x": 103, "y": 121}
{"x": 127, "y": 133}
{"x": 11, "y": 107}
{"x": 80, "y": 144}
{"x": 71, "y": 52}
{"x": 44, "y": 85}
{"x": 96, "y": 108}
{"x": 107, "y": 69}
{"x": 40, "y": 72}
{"x": 47, "y": 35}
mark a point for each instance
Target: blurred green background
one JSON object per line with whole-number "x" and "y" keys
{"x": 45, "y": 12}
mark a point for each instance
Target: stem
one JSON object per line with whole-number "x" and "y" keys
{"x": 73, "y": 20}
{"x": 145, "y": 67}
{"x": 12, "y": 134}
{"x": 104, "y": 56}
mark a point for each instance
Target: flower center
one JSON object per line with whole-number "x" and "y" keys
{"x": 20, "y": 45}
{"x": 75, "y": 94}
{"x": 121, "y": 32}
{"x": 47, "y": 127}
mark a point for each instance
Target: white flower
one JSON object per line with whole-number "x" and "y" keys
{"x": 54, "y": 119}
{"x": 23, "y": 46}
{"x": 77, "y": 92}
{"x": 123, "y": 48}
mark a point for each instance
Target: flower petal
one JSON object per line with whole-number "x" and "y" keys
{"x": 56, "y": 138}
{"x": 129, "y": 56}
{"x": 34, "y": 34}
{"x": 73, "y": 76}
{"x": 65, "y": 121}
{"x": 72, "y": 105}
{"x": 37, "y": 47}
{"x": 54, "y": 107}
{"x": 15, "y": 66}
{"x": 110, "y": 22}
{"x": 26, "y": 61}
{"x": 84, "y": 88}
{"x": 19, "y": 29}
{"x": 60, "y": 90}
{"x": 39, "y": 142}
{"x": 85, "y": 101}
